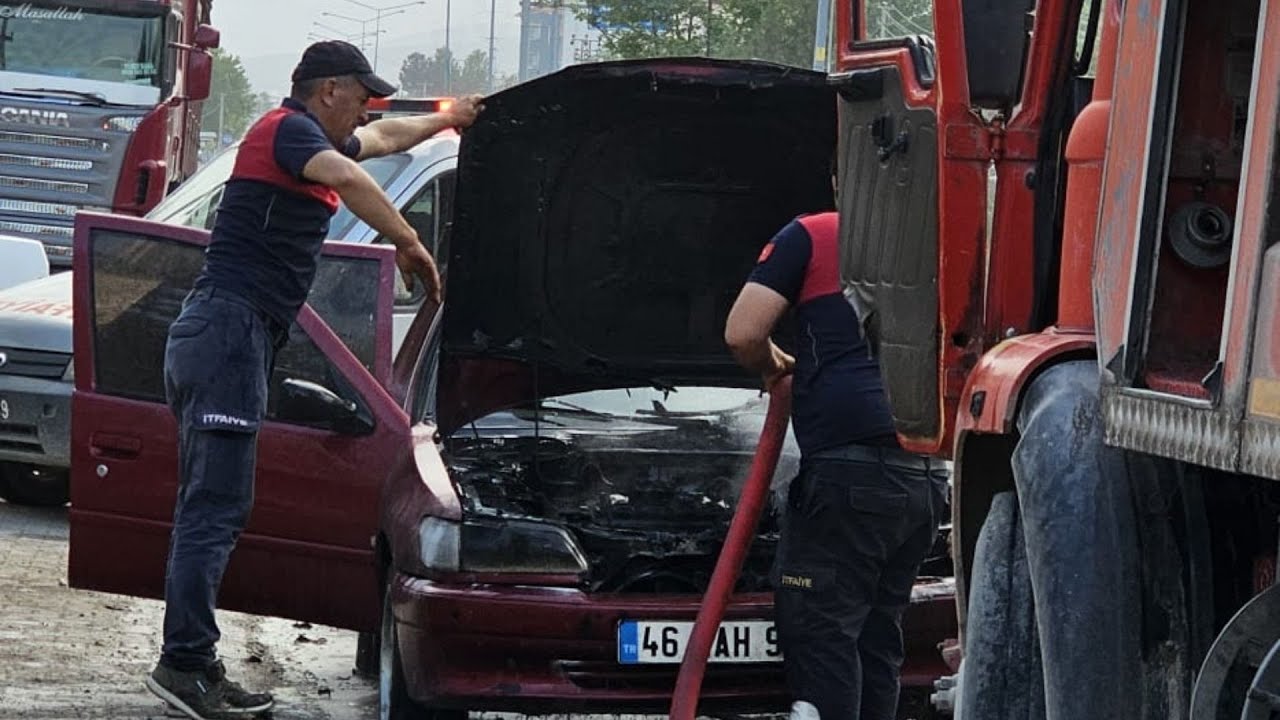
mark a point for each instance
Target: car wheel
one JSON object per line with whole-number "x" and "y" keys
{"x": 35, "y": 485}
{"x": 394, "y": 702}
{"x": 367, "y": 652}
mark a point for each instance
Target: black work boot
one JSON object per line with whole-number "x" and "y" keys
{"x": 205, "y": 694}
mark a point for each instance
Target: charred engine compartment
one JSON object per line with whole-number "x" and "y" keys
{"x": 650, "y": 511}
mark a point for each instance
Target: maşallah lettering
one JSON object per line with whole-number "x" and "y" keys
{"x": 27, "y": 12}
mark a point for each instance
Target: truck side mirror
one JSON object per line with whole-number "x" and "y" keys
{"x": 207, "y": 37}
{"x": 199, "y": 78}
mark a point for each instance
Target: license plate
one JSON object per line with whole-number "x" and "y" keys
{"x": 658, "y": 641}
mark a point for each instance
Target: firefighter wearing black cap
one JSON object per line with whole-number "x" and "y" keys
{"x": 292, "y": 169}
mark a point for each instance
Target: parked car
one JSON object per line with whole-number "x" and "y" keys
{"x": 35, "y": 318}
{"x": 527, "y": 503}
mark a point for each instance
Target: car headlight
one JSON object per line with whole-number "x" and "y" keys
{"x": 70, "y": 374}
{"x": 499, "y": 546}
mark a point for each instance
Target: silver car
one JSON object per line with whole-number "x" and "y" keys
{"x": 35, "y": 318}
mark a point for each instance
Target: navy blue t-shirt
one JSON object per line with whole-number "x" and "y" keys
{"x": 838, "y": 397}
{"x": 271, "y": 222}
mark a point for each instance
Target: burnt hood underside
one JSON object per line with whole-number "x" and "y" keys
{"x": 607, "y": 216}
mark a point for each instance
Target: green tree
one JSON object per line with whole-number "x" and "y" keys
{"x": 415, "y": 72}
{"x": 422, "y": 76}
{"x": 776, "y": 30}
{"x": 651, "y": 28}
{"x": 473, "y": 76}
{"x": 231, "y": 98}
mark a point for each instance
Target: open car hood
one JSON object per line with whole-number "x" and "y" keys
{"x": 606, "y": 218}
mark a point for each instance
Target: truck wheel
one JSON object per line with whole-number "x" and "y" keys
{"x": 1241, "y": 672}
{"x": 1002, "y": 676}
{"x": 394, "y": 702}
{"x": 35, "y": 485}
{"x": 1115, "y": 559}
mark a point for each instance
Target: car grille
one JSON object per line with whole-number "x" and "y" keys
{"x": 22, "y": 438}
{"x": 761, "y": 679}
{"x": 34, "y": 363}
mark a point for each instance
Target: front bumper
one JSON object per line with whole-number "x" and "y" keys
{"x": 35, "y": 421}
{"x": 540, "y": 649}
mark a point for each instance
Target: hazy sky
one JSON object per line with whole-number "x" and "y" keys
{"x": 270, "y": 35}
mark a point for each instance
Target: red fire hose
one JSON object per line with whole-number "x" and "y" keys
{"x": 742, "y": 530}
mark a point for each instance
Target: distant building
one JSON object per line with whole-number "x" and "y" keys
{"x": 552, "y": 36}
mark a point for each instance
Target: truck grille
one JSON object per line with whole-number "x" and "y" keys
{"x": 36, "y": 230}
{"x": 37, "y": 208}
{"x": 23, "y": 183}
{"x": 44, "y": 162}
{"x": 34, "y": 363}
{"x": 47, "y": 174}
{"x": 52, "y": 141}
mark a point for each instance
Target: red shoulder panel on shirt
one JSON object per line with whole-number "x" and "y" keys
{"x": 822, "y": 277}
{"x": 256, "y": 160}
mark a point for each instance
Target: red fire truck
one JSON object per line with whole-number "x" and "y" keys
{"x": 1059, "y": 228}
{"x": 100, "y": 104}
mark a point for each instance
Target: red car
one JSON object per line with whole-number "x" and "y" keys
{"x": 527, "y": 503}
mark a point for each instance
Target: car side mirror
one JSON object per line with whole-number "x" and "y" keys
{"x": 207, "y": 37}
{"x": 199, "y": 80}
{"x": 308, "y": 403}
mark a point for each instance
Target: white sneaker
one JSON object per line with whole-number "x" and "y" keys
{"x": 801, "y": 710}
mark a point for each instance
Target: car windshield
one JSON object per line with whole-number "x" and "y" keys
{"x": 648, "y": 403}
{"x": 384, "y": 171}
{"x": 196, "y": 199}
{"x": 117, "y": 57}
{"x": 198, "y": 190}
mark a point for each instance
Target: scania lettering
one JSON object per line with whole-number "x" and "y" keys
{"x": 107, "y": 122}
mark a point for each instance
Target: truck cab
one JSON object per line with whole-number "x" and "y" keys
{"x": 100, "y": 104}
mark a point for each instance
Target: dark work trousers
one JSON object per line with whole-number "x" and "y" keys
{"x": 859, "y": 522}
{"x": 217, "y": 361}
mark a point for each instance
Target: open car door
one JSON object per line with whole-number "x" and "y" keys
{"x": 912, "y": 150}
{"x": 307, "y": 552}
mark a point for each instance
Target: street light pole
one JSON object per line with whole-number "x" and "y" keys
{"x": 493, "y": 15}
{"x": 363, "y": 27}
{"x": 448, "y": 51}
{"x": 379, "y": 13}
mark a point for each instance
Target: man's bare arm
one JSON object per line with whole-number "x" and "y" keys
{"x": 393, "y": 135}
{"x": 366, "y": 199}
{"x": 749, "y": 327}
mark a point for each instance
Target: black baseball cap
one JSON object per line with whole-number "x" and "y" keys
{"x": 334, "y": 58}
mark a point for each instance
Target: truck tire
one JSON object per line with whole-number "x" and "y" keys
{"x": 1111, "y": 562}
{"x": 35, "y": 485}
{"x": 1002, "y": 675}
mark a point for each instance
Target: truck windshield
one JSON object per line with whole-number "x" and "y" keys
{"x": 118, "y": 57}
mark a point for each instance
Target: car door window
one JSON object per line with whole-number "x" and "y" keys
{"x": 428, "y": 213}
{"x": 138, "y": 289}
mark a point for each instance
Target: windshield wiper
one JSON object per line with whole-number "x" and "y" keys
{"x": 577, "y": 409}
{"x": 93, "y": 98}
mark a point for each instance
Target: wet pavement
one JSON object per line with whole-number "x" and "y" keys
{"x": 68, "y": 653}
